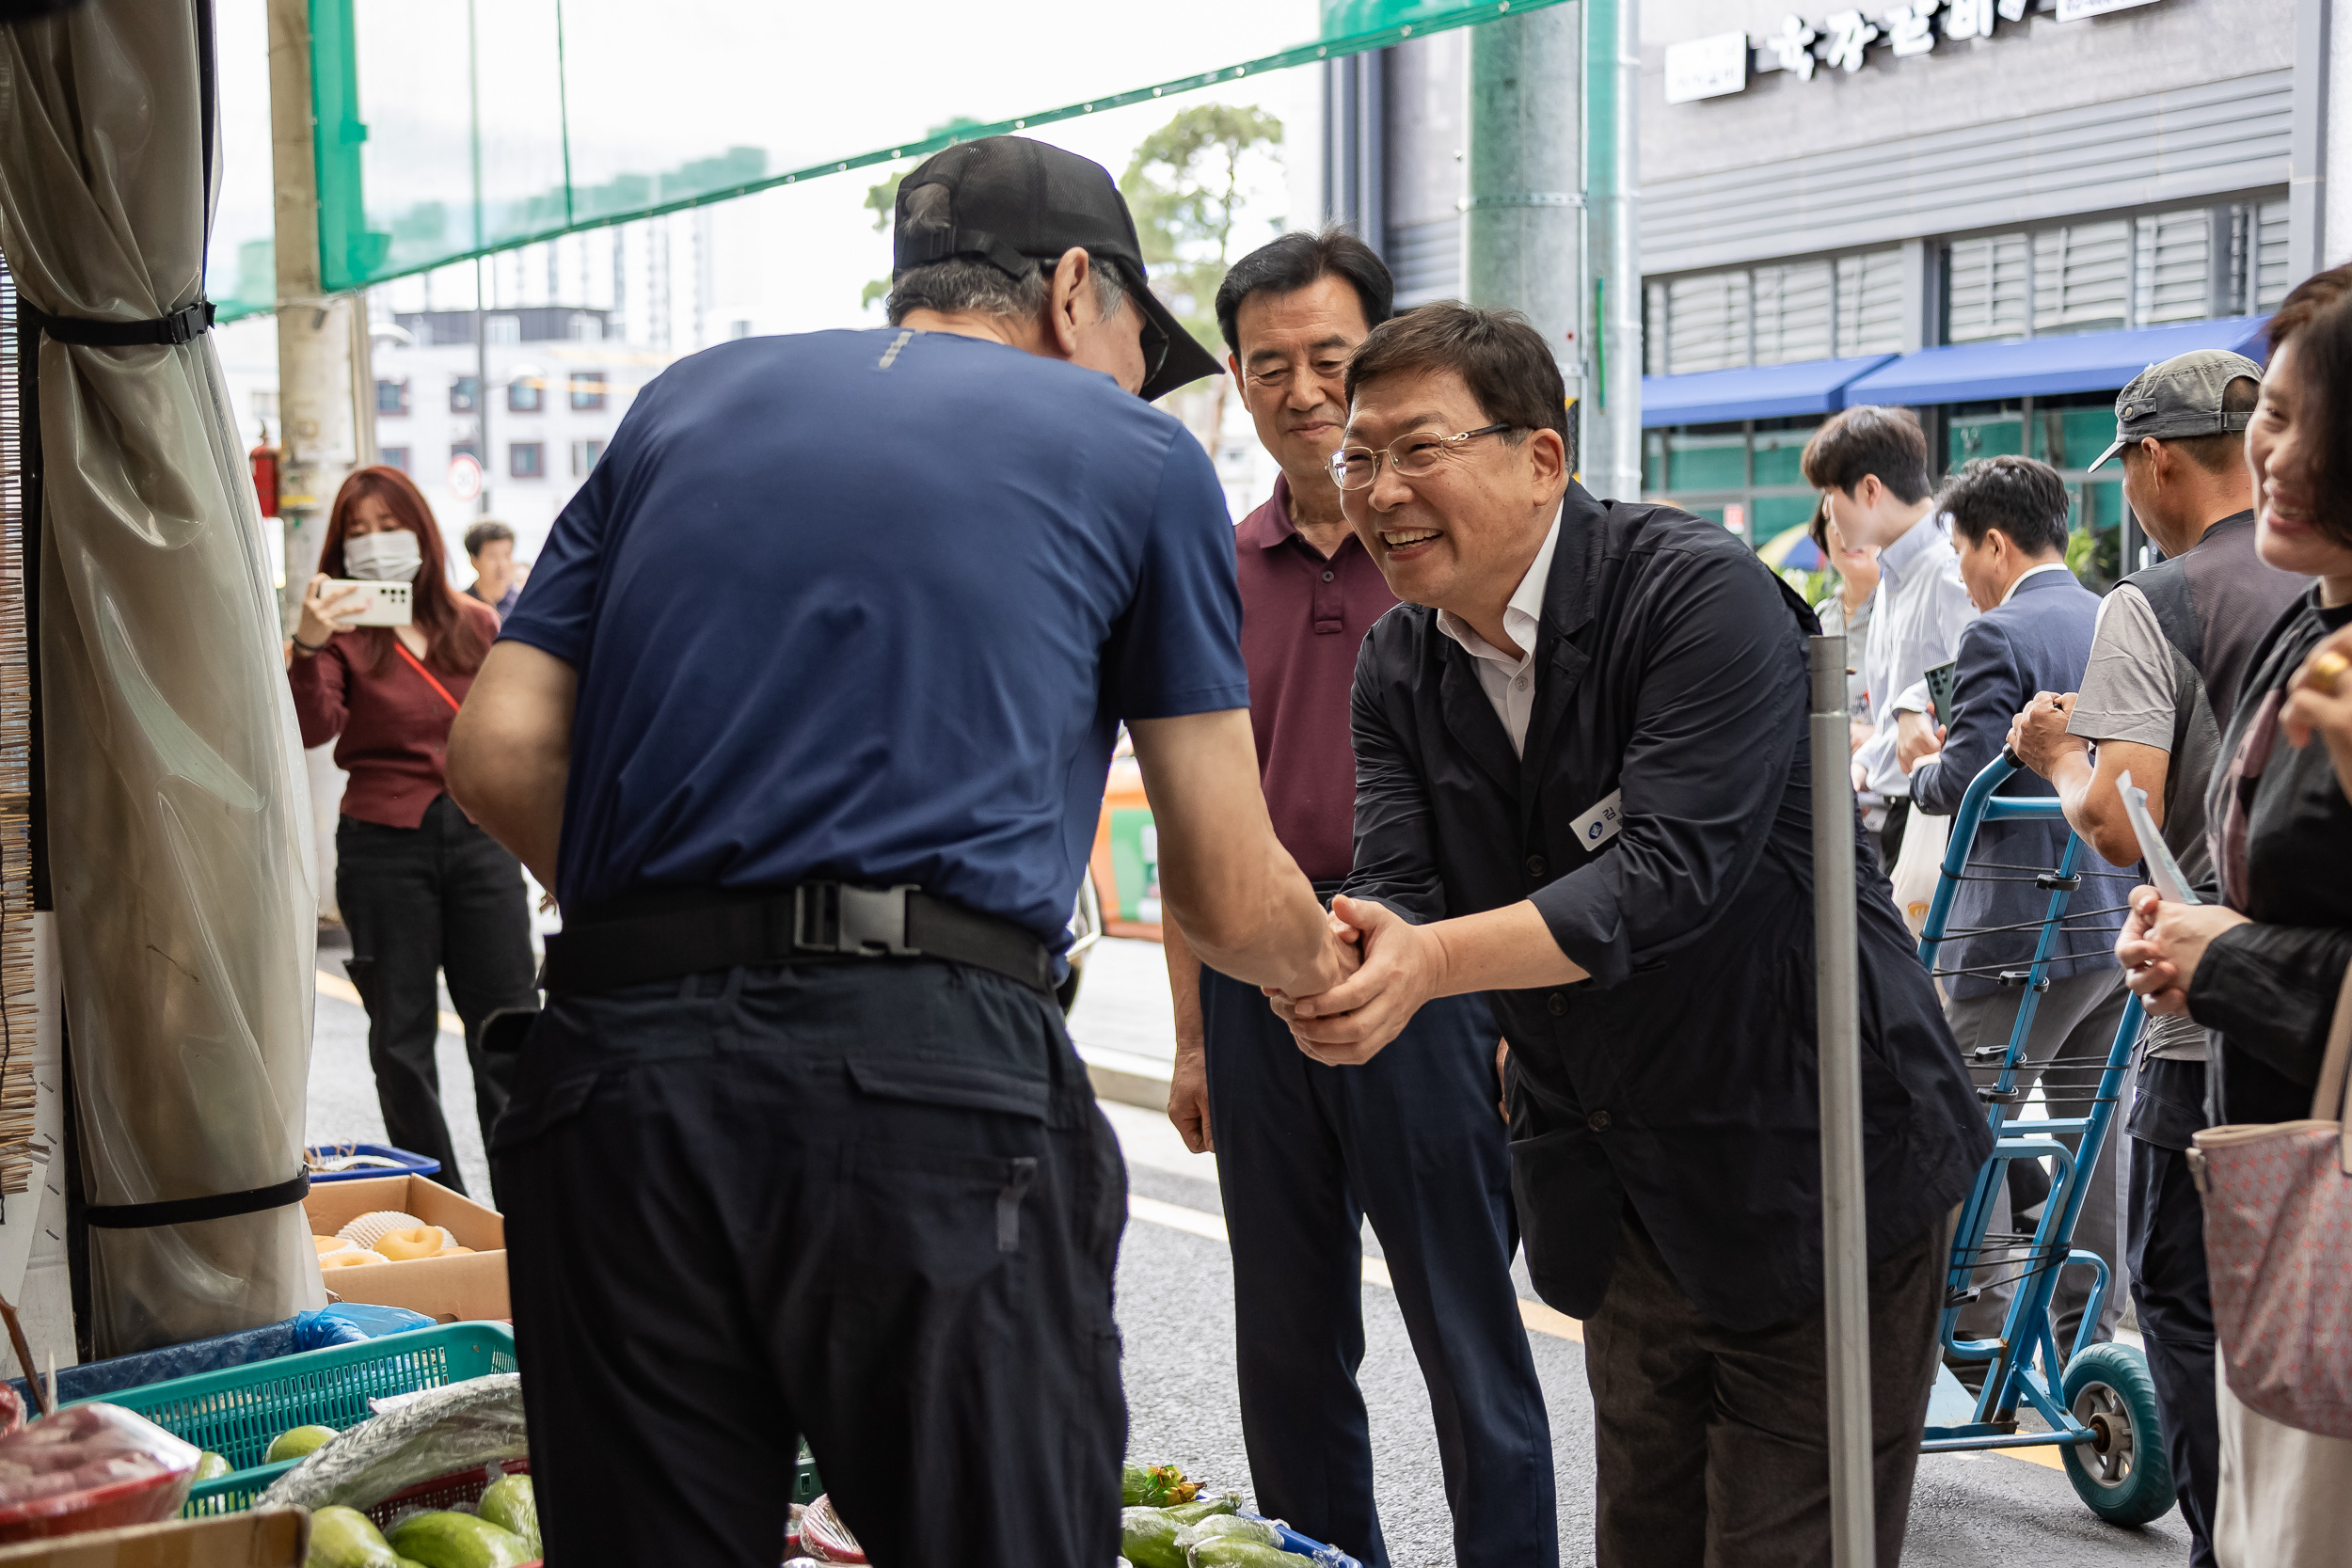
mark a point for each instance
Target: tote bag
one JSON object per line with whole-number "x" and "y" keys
{"x": 2279, "y": 1248}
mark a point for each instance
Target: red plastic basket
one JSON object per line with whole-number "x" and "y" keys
{"x": 458, "y": 1489}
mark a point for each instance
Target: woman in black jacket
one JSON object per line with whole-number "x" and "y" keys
{"x": 2262, "y": 968}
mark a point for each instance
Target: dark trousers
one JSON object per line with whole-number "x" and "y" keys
{"x": 1714, "y": 1445}
{"x": 1891, "y": 832}
{"x": 1412, "y": 1139}
{"x": 870, "y": 1203}
{"x": 2174, "y": 1300}
{"x": 442, "y": 895}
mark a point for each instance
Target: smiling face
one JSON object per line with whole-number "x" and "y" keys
{"x": 1292, "y": 365}
{"x": 2281, "y": 444}
{"x": 1461, "y": 536}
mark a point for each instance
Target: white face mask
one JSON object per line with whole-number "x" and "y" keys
{"x": 393, "y": 556}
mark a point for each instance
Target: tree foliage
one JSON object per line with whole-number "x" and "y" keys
{"x": 1185, "y": 187}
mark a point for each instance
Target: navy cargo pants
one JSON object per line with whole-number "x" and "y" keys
{"x": 1413, "y": 1140}
{"x": 872, "y": 1203}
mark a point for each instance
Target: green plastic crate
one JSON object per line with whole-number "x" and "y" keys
{"x": 237, "y": 1411}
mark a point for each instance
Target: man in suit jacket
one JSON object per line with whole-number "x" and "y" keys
{"x": 1583, "y": 788}
{"x": 2009, "y": 524}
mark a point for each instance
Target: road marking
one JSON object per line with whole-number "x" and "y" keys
{"x": 1538, "y": 1317}
{"x": 343, "y": 990}
{"x": 2050, "y": 1457}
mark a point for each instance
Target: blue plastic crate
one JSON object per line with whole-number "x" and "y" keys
{"x": 409, "y": 1165}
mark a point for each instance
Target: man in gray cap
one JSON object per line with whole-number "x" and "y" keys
{"x": 2172, "y": 644}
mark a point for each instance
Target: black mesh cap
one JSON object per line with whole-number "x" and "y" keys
{"x": 1015, "y": 202}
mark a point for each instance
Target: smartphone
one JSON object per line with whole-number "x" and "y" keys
{"x": 1940, "y": 683}
{"x": 382, "y": 604}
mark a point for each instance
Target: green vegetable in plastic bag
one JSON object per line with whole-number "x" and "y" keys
{"x": 1147, "y": 1538}
{"x": 346, "y": 1537}
{"x": 1232, "y": 1551}
{"x": 510, "y": 1504}
{"x": 1154, "y": 1485}
{"x": 1228, "y": 1527}
{"x": 1202, "y": 1508}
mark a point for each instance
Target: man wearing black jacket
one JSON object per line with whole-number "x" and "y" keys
{"x": 1582, "y": 787}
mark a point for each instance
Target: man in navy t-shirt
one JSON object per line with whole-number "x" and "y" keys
{"x": 805, "y": 715}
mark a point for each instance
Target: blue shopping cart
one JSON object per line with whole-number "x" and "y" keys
{"x": 2097, "y": 1403}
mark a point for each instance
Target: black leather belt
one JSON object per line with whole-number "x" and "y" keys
{"x": 670, "y": 934}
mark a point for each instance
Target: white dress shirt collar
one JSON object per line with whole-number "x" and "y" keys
{"x": 2032, "y": 571}
{"x": 1510, "y": 683}
{"x": 1921, "y": 537}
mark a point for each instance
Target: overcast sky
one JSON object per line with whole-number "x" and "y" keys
{"x": 650, "y": 88}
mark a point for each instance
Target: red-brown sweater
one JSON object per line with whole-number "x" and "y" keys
{"x": 391, "y": 727}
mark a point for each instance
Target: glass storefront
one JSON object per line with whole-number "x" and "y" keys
{"x": 1746, "y": 476}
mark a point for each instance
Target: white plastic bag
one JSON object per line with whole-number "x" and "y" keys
{"x": 1918, "y": 864}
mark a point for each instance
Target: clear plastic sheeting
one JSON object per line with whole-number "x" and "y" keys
{"x": 426, "y": 1436}
{"x": 177, "y": 809}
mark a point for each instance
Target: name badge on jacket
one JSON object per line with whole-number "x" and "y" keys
{"x": 1599, "y": 825}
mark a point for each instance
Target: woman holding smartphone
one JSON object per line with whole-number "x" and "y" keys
{"x": 421, "y": 887}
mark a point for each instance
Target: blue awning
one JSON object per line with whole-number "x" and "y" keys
{"x": 2044, "y": 367}
{"x": 1753, "y": 393}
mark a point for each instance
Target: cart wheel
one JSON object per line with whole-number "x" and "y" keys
{"x": 2123, "y": 1475}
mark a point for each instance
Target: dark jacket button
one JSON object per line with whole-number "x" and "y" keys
{"x": 1535, "y": 866}
{"x": 1557, "y": 1003}
{"x": 1597, "y": 1121}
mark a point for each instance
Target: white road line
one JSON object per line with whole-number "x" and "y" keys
{"x": 343, "y": 990}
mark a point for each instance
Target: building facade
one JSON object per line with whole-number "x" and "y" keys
{"x": 558, "y": 385}
{"x": 1995, "y": 212}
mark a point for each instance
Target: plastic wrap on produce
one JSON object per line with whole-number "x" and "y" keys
{"x": 437, "y": 1432}
{"x": 178, "y": 813}
{"x": 90, "y": 1467}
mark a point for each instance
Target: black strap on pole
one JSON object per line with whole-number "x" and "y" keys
{"x": 187, "y": 1211}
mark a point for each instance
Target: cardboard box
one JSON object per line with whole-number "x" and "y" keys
{"x": 449, "y": 1289}
{"x": 264, "y": 1538}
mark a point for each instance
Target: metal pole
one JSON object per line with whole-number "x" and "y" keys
{"x": 1845, "y": 1245}
{"x": 1522, "y": 245}
{"x": 1611, "y": 436}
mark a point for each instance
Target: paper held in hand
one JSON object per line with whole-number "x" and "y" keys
{"x": 2163, "y": 869}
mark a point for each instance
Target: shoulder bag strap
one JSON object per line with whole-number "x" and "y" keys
{"x": 2328, "y": 1098}
{"x": 417, "y": 665}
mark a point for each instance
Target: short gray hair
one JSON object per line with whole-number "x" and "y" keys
{"x": 962, "y": 285}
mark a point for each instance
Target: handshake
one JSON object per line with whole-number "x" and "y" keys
{"x": 1378, "y": 970}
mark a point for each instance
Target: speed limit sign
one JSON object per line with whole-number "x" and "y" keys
{"x": 465, "y": 476}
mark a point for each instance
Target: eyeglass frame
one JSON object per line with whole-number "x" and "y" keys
{"x": 1388, "y": 453}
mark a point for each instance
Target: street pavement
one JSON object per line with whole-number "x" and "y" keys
{"x": 1176, "y": 1313}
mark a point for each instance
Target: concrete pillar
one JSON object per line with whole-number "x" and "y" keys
{"x": 321, "y": 348}
{"x": 1613, "y": 177}
{"x": 326, "y": 388}
{"x": 1521, "y": 240}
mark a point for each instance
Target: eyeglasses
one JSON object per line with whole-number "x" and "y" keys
{"x": 1155, "y": 345}
{"x": 1411, "y": 456}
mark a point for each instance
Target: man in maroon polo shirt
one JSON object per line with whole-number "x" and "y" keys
{"x": 1412, "y": 1139}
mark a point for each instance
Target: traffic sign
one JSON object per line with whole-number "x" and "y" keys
{"x": 465, "y": 476}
